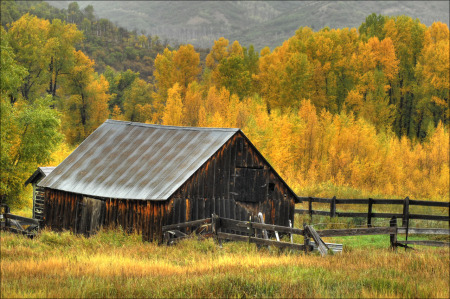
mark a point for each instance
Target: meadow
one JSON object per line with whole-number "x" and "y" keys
{"x": 115, "y": 264}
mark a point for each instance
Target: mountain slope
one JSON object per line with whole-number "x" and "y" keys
{"x": 262, "y": 23}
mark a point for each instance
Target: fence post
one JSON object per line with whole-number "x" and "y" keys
{"x": 393, "y": 237}
{"x": 7, "y": 221}
{"x": 291, "y": 234}
{"x": 251, "y": 229}
{"x": 305, "y": 239}
{"x": 369, "y": 213}
{"x": 405, "y": 222}
{"x": 215, "y": 225}
{"x": 333, "y": 207}
{"x": 310, "y": 208}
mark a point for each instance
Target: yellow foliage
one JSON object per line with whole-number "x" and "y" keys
{"x": 63, "y": 151}
{"x": 174, "y": 107}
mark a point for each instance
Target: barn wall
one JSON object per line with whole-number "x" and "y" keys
{"x": 219, "y": 187}
{"x": 60, "y": 209}
{"x": 64, "y": 211}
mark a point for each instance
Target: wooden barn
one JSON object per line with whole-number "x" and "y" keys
{"x": 38, "y": 192}
{"x": 143, "y": 176}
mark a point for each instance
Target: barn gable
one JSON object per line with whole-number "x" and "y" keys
{"x": 236, "y": 182}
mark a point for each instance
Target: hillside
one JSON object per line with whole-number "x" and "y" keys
{"x": 262, "y": 24}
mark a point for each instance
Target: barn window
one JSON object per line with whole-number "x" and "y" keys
{"x": 250, "y": 184}
{"x": 271, "y": 187}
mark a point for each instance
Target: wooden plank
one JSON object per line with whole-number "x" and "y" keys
{"x": 18, "y": 231}
{"x": 204, "y": 206}
{"x": 429, "y": 203}
{"x": 357, "y": 231}
{"x": 427, "y": 243}
{"x": 315, "y": 199}
{"x": 323, "y": 213}
{"x": 405, "y": 220}
{"x": 278, "y": 228}
{"x": 386, "y": 215}
{"x": 369, "y": 213}
{"x": 333, "y": 207}
{"x": 387, "y": 201}
{"x": 351, "y": 201}
{"x": 321, "y": 246}
{"x": 321, "y": 200}
{"x": 428, "y": 217}
{"x": 424, "y": 231}
{"x": 393, "y": 237}
{"x": 16, "y": 223}
{"x": 231, "y": 224}
{"x": 260, "y": 241}
{"x": 21, "y": 219}
{"x": 336, "y": 248}
{"x": 347, "y": 214}
{"x": 186, "y": 224}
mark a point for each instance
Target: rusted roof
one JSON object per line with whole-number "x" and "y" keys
{"x": 128, "y": 160}
{"x": 40, "y": 172}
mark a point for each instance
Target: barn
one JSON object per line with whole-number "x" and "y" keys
{"x": 144, "y": 176}
{"x": 38, "y": 192}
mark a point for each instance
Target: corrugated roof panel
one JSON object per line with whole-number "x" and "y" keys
{"x": 136, "y": 161}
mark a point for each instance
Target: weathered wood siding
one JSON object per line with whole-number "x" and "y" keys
{"x": 70, "y": 211}
{"x": 235, "y": 183}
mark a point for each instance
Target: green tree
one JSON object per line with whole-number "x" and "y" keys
{"x": 60, "y": 49}
{"x": 11, "y": 73}
{"x": 138, "y": 95}
{"x": 29, "y": 134}
{"x": 373, "y": 26}
{"x": 28, "y": 38}
{"x": 87, "y": 104}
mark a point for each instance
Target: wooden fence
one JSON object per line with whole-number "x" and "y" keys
{"x": 405, "y": 203}
{"x": 253, "y": 232}
{"x": 17, "y": 224}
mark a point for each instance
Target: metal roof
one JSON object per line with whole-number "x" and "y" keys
{"x": 128, "y": 160}
{"x": 40, "y": 172}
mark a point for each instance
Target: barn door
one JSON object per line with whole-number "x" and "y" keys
{"x": 92, "y": 216}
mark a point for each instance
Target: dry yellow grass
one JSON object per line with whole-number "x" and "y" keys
{"x": 112, "y": 264}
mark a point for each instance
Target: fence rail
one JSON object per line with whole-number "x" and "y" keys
{"x": 17, "y": 224}
{"x": 256, "y": 232}
{"x": 405, "y": 215}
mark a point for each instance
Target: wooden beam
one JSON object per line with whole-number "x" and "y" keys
{"x": 424, "y": 231}
{"x": 357, "y": 231}
{"x": 429, "y": 203}
{"x": 186, "y": 224}
{"x": 427, "y": 243}
{"x": 260, "y": 241}
{"x": 278, "y": 228}
{"x": 428, "y": 217}
{"x": 21, "y": 219}
{"x": 321, "y": 246}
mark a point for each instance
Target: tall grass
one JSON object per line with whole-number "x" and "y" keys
{"x": 112, "y": 264}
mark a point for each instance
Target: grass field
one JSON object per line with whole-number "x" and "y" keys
{"x": 113, "y": 264}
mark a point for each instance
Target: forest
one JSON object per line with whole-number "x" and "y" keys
{"x": 357, "y": 109}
